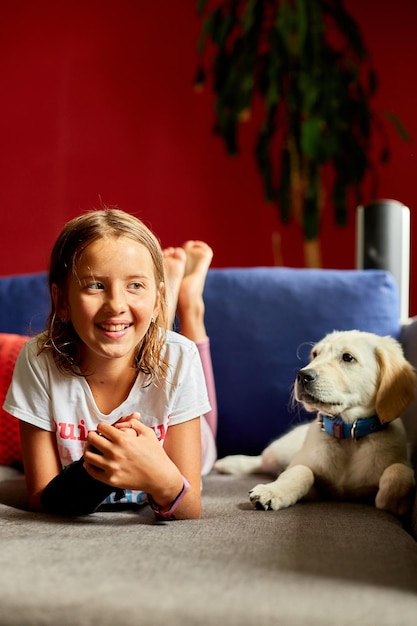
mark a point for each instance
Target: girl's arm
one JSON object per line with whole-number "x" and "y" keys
{"x": 40, "y": 461}
{"x": 183, "y": 446}
{"x": 132, "y": 458}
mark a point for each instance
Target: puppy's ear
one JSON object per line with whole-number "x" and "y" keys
{"x": 397, "y": 383}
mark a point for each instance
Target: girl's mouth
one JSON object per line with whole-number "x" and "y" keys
{"x": 113, "y": 328}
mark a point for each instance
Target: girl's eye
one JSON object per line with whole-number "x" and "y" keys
{"x": 347, "y": 358}
{"x": 135, "y": 286}
{"x": 95, "y": 286}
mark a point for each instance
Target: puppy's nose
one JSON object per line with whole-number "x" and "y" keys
{"x": 306, "y": 376}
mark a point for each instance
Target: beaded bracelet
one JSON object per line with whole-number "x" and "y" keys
{"x": 168, "y": 513}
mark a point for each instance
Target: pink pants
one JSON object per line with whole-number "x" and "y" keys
{"x": 208, "y": 421}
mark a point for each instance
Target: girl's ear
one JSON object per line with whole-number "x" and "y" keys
{"x": 159, "y": 295}
{"x": 60, "y": 308}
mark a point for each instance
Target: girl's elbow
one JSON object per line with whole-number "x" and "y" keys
{"x": 34, "y": 502}
{"x": 191, "y": 512}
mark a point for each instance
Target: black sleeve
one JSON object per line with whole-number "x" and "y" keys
{"x": 74, "y": 491}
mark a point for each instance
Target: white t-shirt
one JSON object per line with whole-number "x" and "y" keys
{"x": 43, "y": 396}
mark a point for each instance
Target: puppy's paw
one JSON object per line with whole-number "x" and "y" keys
{"x": 268, "y": 498}
{"x": 397, "y": 506}
{"x": 238, "y": 464}
{"x": 398, "y": 503}
{"x": 396, "y": 489}
{"x": 290, "y": 487}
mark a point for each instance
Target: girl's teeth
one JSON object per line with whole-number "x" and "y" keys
{"x": 114, "y": 327}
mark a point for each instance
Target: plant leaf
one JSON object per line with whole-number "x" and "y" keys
{"x": 201, "y": 5}
{"x": 248, "y": 16}
{"x": 311, "y": 137}
{"x": 402, "y": 132}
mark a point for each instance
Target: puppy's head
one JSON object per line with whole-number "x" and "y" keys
{"x": 356, "y": 374}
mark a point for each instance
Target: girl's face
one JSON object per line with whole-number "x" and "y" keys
{"x": 112, "y": 298}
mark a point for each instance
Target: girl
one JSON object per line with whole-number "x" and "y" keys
{"x": 109, "y": 402}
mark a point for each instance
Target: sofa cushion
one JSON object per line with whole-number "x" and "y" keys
{"x": 314, "y": 564}
{"x": 262, "y": 323}
{"x": 10, "y": 346}
{"x": 24, "y": 303}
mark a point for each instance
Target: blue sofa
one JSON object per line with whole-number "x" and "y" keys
{"x": 316, "y": 563}
{"x": 261, "y": 323}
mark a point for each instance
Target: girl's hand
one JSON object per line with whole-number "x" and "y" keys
{"x": 131, "y": 457}
{"x": 128, "y": 422}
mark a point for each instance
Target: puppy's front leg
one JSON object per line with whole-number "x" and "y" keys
{"x": 290, "y": 486}
{"x": 396, "y": 487}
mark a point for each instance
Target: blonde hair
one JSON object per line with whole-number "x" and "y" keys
{"x": 60, "y": 337}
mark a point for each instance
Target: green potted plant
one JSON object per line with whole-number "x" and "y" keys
{"x": 303, "y": 66}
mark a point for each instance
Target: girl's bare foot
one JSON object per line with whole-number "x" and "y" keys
{"x": 199, "y": 257}
{"x": 190, "y": 308}
{"x": 174, "y": 264}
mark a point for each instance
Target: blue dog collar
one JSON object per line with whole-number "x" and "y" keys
{"x": 361, "y": 427}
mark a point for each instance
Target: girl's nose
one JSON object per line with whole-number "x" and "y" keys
{"x": 116, "y": 299}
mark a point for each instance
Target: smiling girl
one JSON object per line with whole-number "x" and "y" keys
{"x": 109, "y": 401}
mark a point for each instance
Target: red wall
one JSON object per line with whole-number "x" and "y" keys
{"x": 97, "y": 105}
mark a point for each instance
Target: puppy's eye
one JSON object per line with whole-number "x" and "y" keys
{"x": 313, "y": 354}
{"x": 347, "y": 358}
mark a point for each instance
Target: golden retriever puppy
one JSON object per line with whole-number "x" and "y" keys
{"x": 358, "y": 383}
